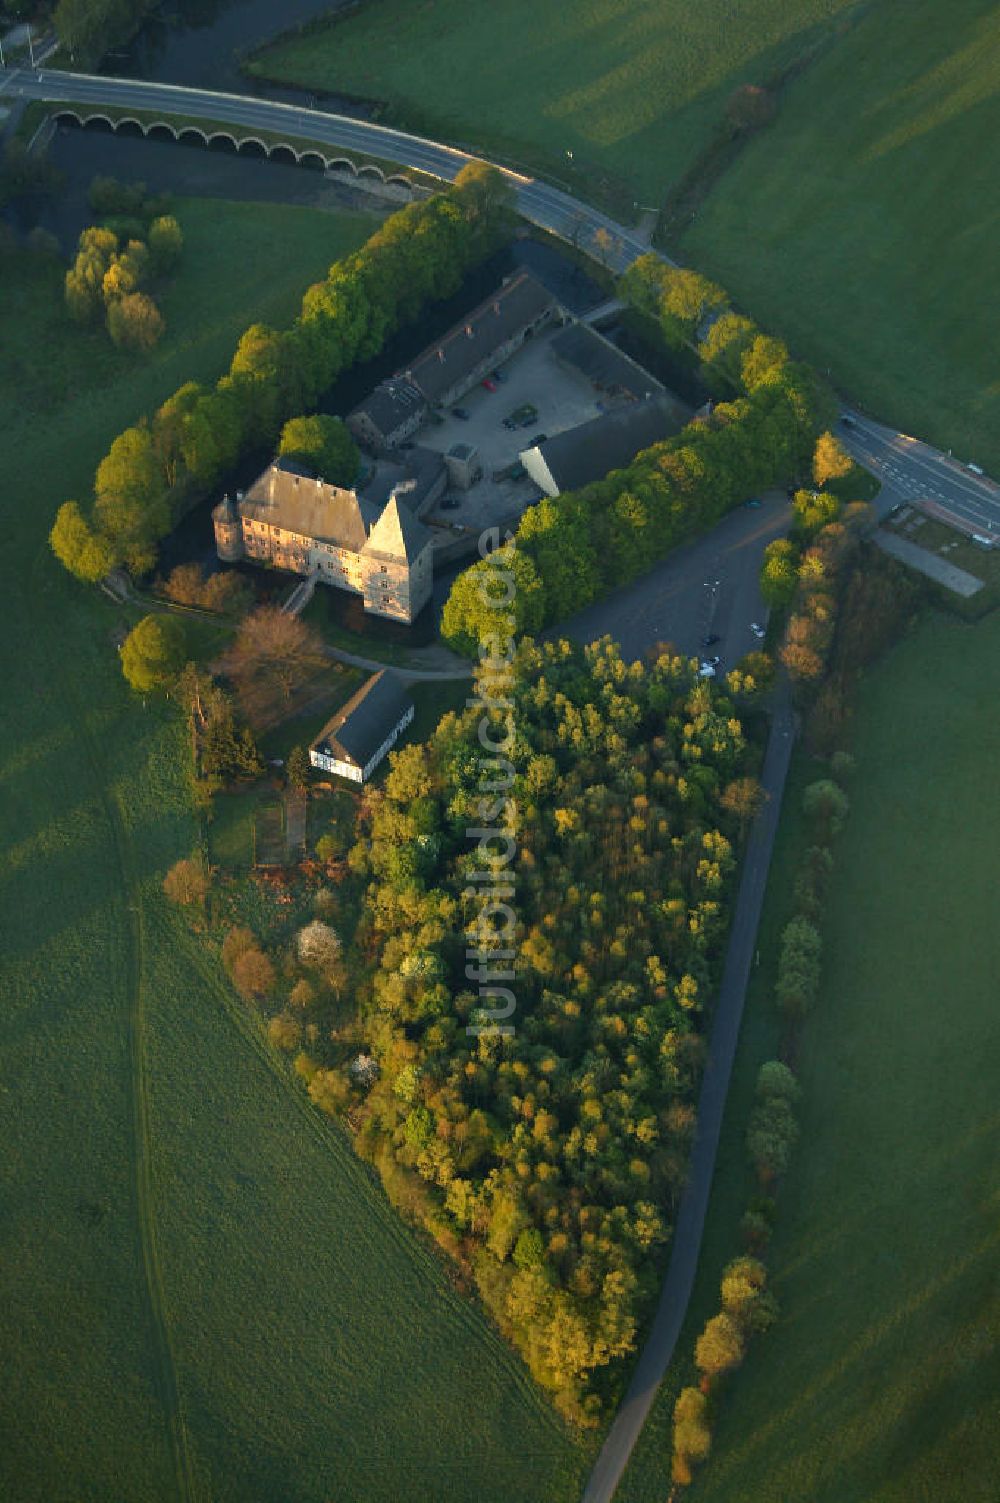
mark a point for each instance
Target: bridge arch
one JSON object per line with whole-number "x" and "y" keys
{"x": 283, "y": 153}
{"x": 161, "y": 131}
{"x": 127, "y": 126}
{"x": 314, "y": 160}
{"x": 251, "y": 146}
{"x": 370, "y": 170}
{"x": 221, "y": 140}
{"x": 342, "y": 164}
{"x": 190, "y": 135}
{"x": 68, "y": 117}
{"x": 99, "y": 123}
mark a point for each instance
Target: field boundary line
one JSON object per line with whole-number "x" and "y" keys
{"x": 158, "y": 1311}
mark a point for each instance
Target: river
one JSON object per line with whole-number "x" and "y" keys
{"x": 200, "y": 44}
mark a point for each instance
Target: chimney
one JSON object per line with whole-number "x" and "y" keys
{"x": 440, "y": 354}
{"x": 468, "y": 330}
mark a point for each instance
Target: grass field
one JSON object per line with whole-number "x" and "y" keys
{"x": 878, "y": 1384}
{"x": 204, "y": 1295}
{"x": 632, "y": 88}
{"x": 863, "y": 223}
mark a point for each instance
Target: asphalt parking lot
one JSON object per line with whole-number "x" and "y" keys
{"x": 562, "y": 400}
{"x": 707, "y": 588}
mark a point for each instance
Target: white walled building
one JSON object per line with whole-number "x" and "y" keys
{"x": 364, "y": 730}
{"x": 291, "y": 520}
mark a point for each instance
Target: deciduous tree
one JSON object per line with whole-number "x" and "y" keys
{"x": 153, "y": 653}
{"x": 186, "y": 883}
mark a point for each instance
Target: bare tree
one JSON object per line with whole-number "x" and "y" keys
{"x": 272, "y": 656}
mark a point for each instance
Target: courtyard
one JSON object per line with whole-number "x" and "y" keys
{"x": 533, "y": 378}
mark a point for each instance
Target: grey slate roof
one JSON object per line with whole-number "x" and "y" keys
{"x": 369, "y": 717}
{"x": 509, "y": 310}
{"x": 391, "y": 403}
{"x": 608, "y": 442}
{"x": 397, "y": 534}
{"x": 421, "y": 465}
{"x": 603, "y": 364}
{"x": 286, "y": 495}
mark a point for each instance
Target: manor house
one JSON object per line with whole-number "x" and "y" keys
{"x": 378, "y": 549}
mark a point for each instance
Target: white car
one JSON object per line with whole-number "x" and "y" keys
{"x": 707, "y": 670}
{"x": 758, "y": 631}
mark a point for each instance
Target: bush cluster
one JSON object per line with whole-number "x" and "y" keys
{"x": 109, "y": 275}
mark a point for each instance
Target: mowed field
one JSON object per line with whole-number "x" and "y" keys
{"x": 879, "y": 1383}
{"x": 204, "y": 1295}
{"x": 632, "y": 88}
{"x": 863, "y": 223}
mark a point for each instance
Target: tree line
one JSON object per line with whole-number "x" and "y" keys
{"x": 747, "y": 1308}
{"x": 575, "y": 548}
{"x": 157, "y": 469}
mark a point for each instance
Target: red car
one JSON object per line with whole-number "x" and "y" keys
{"x": 490, "y": 384}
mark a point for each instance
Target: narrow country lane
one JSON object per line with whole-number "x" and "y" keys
{"x": 907, "y": 468}
{"x": 676, "y": 1292}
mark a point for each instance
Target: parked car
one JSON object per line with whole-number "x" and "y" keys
{"x": 711, "y": 641}
{"x": 490, "y": 384}
{"x": 706, "y": 670}
{"x": 758, "y": 631}
{"x": 449, "y": 503}
{"x": 456, "y": 526}
{"x": 460, "y": 412}
{"x": 847, "y": 421}
{"x": 539, "y": 438}
{"x": 499, "y": 375}
{"x": 510, "y": 424}
{"x": 752, "y": 502}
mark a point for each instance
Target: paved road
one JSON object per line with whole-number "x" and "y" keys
{"x": 547, "y": 207}
{"x": 676, "y": 1292}
{"x": 911, "y": 470}
{"x": 907, "y": 468}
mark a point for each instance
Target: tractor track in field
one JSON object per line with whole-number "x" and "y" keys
{"x": 182, "y": 1465}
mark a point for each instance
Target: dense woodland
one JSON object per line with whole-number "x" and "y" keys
{"x": 575, "y": 548}
{"x": 547, "y": 1160}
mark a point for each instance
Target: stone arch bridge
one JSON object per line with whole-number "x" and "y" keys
{"x": 238, "y": 142}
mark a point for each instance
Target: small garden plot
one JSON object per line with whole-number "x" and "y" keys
{"x": 269, "y": 835}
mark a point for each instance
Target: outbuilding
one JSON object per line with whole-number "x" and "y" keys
{"x": 364, "y": 730}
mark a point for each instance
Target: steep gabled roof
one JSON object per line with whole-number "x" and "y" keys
{"x": 449, "y": 359}
{"x": 369, "y": 717}
{"x": 397, "y": 534}
{"x": 285, "y": 495}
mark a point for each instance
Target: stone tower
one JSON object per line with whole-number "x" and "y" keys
{"x": 228, "y": 531}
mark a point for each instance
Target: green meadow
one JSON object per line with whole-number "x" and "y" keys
{"x": 632, "y": 88}
{"x": 862, "y": 224}
{"x": 205, "y": 1295}
{"x": 877, "y": 1383}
